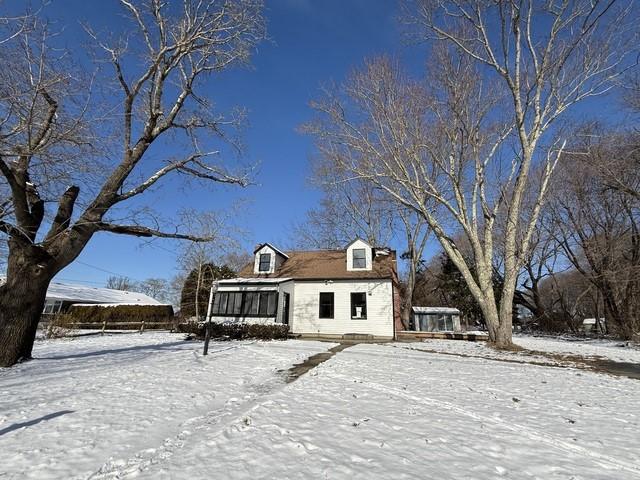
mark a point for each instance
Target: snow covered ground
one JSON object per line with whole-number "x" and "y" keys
{"x": 618, "y": 351}
{"x": 90, "y": 400}
{"x": 149, "y": 406}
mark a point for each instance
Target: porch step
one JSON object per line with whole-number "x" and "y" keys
{"x": 358, "y": 336}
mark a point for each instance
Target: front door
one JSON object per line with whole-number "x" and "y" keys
{"x": 285, "y": 309}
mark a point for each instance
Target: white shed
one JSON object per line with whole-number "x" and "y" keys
{"x": 436, "y": 319}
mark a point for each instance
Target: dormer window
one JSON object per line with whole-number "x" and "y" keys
{"x": 359, "y": 258}
{"x": 265, "y": 262}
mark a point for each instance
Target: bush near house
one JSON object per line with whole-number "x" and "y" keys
{"x": 121, "y": 317}
{"x": 236, "y": 331}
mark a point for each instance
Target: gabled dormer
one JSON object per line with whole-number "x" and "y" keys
{"x": 359, "y": 256}
{"x": 267, "y": 259}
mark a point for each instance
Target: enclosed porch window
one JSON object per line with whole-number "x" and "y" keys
{"x": 245, "y": 304}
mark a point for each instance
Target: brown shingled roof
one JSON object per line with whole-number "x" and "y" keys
{"x": 326, "y": 265}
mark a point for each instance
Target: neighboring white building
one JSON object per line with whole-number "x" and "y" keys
{"x": 436, "y": 319}
{"x": 62, "y": 295}
{"x": 328, "y": 293}
{"x": 590, "y": 325}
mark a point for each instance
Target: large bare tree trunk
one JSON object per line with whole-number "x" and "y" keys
{"x": 22, "y": 298}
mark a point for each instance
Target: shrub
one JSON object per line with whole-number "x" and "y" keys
{"x": 122, "y": 317}
{"x": 237, "y": 331}
{"x": 59, "y": 326}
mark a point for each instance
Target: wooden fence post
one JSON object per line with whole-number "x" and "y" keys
{"x": 104, "y": 326}
{"x": 142, "y": 327}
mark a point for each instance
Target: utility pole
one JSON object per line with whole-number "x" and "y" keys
{"x": 207, "y": 333}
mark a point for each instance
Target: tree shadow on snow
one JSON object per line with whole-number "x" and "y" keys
{"x": 44, "y": 418}
{"x": 157, "y": 347}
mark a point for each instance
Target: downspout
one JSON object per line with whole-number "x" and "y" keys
{"x": 393, "y": 304}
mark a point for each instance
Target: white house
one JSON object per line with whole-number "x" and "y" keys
{"x": 329, "y": 293}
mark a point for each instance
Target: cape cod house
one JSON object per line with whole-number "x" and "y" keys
{"x": 350, "y": 293}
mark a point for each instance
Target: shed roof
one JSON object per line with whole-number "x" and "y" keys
{"x": 436, "y": 310}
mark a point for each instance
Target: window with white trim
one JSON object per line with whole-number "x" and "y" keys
{"x": 359, "y": 258}
{"x": 358, "y": 305}
{"x": 326, "y": 305}
{"x": 265, "y": 262}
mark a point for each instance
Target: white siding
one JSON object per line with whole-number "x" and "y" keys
{"x": 379, "y": 321}
{"x": 359, "y": 244}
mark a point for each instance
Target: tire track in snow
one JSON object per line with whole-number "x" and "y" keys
{"x": 602, "y": 459}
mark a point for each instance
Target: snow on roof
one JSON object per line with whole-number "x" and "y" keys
{"x": 82, "y": 293}
{"x": 436, "y": 310}
{"x": 234, "y": 281}
{"x": 106, "y": 305}
{"x": 591, "y": 321}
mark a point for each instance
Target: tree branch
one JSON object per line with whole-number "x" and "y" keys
{"x": 139, "y": 231}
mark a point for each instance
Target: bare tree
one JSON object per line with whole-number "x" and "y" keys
{"x": 236, "y": 260}
{"x": 598, "y": 227}
{"x": 416, "y": 235}
{"x": 467, "y": 137}
{"x": 568, "y": 298}
{"x": 157, "y": 288}
{"x": 121, "y": 283}
{"x": 349, "y": 209}
{"x": 160, "y": 67}
{"x": 201, "y": 256}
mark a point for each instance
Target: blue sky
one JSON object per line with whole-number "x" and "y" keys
{"x": 311, "y": 43}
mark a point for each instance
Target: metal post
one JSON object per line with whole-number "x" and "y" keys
{"x": 207, "y": 333}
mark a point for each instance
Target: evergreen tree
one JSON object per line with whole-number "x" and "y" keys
{"x": 198, "y": 284}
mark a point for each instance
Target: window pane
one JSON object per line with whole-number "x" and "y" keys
{"x": 326, "y": 305}
{"x": 359, "y": 305}
{"x": 247, "y": 303}
{"x": 264, "y": 303}
{"x": 254, "y": 303}
{"x": 265, "y": 262}
{"x": 448, "y": 322}
{"x": 216, "y": 303}
{"x": 359, "y": 258}
{"x": 273, "y": 304}
{"x": 222, "y": 306}
{"x": 230, "y": 298}
{"x": 237, "y": 305}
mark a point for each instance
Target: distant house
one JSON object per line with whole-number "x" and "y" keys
{"x": 60, "y": 296}
{"x": 590, "y": 325}
{"x": 330, "y": 293}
